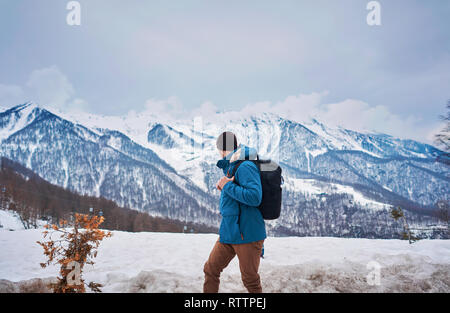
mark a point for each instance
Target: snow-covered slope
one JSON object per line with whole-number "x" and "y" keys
{"x": 10, "y": 220}
{"x": 132, "y": 125}
{"x": 17, "y": 118}
{"x": 314, "y": 188}
{"x": 162, "y": 262}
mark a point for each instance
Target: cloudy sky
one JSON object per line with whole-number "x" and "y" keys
{"x": 295, "y": 58}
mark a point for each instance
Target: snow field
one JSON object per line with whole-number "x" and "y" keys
{"x": 165, "y": 262}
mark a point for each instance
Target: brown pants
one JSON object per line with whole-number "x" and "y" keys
{"x": 221, "y": 255}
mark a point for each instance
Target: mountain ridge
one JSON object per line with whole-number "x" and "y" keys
{"x": 179, "y": 161}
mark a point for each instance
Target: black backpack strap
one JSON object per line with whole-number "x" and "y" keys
{"x": 247, "y": 158}
{"x": 235, "y": 169}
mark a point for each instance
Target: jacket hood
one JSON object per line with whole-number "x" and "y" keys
{"x": 242, "y": 152}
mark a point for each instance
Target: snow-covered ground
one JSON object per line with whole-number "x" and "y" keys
{"x": 314, "y": 187}
{"x": 10, "y": 220}
{"x": 163, "y": 262}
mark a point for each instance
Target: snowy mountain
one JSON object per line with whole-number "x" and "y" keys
{"x": 402, "y": 167}
{"x": 101, "y": 163}
{"x": 337, "y": 182}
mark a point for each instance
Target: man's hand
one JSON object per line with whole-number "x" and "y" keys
{"x": 223, "y": 181}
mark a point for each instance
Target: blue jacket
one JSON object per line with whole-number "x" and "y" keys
{"x": 248, "y": 194}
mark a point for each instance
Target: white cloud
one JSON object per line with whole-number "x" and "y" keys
{"x": 76, "y": 105}
{"x": 360, "y": 116}
{"x": 168, "y": 109}
{"x": 205, "y": 109}
{"x": 353, "y": 114}
{"x": 11, "y": 95}
{"x": 301, "y": 107}
{"x": 350, "y": 114}
{"x": 48, "y": 87}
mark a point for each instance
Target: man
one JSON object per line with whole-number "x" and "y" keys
{"x": 242, "y": 229}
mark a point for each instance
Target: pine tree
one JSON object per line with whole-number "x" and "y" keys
{"x": 396, "y": 214}
{"x": 442, "y": 139}
{"x": 443, "y": 213}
